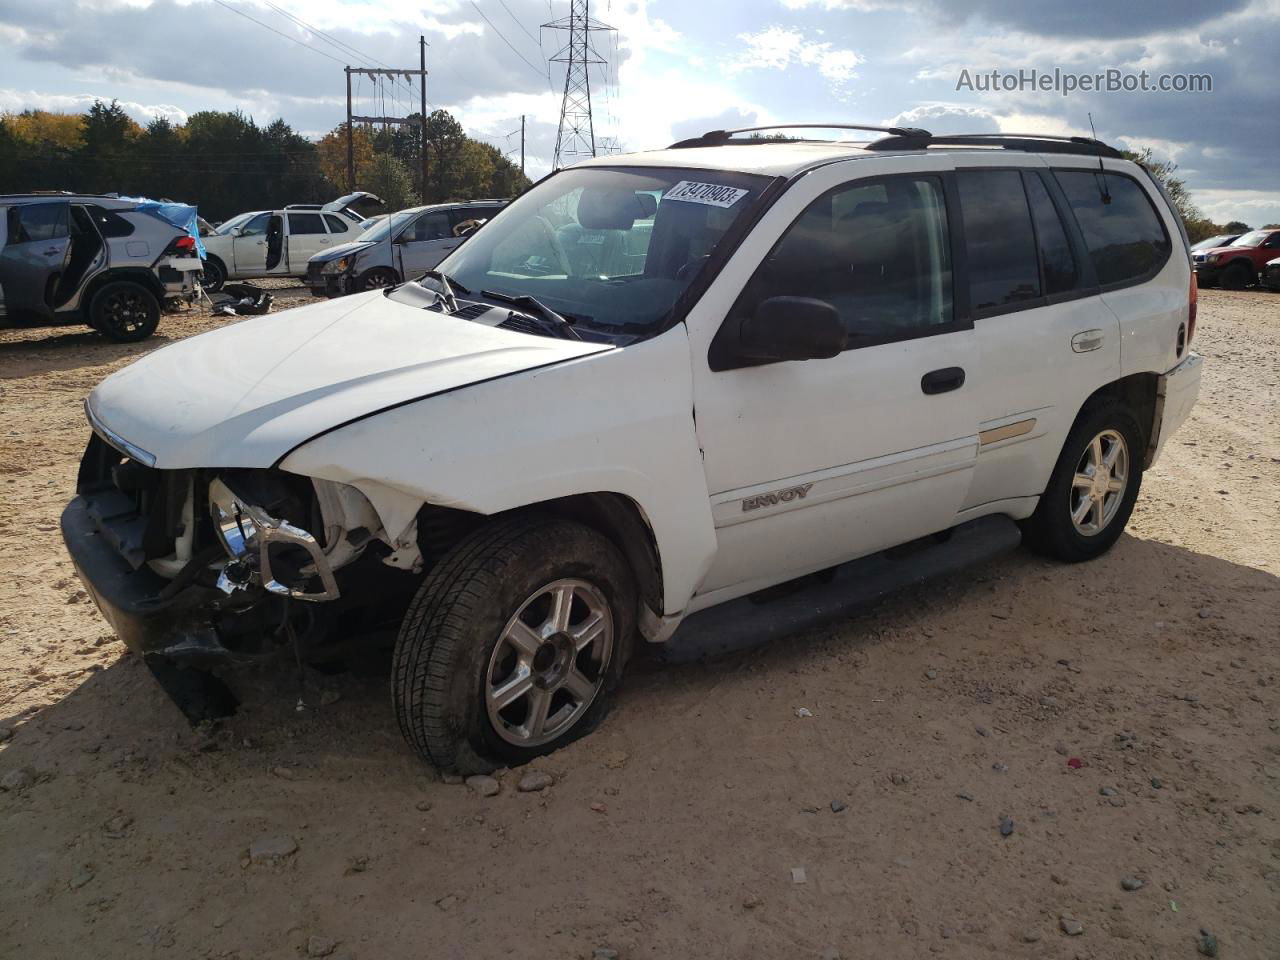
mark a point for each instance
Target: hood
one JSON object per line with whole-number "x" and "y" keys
{"x": 360, "y": 196}
{"x": 341, "y": 250}
{"x": 246, "y": 394}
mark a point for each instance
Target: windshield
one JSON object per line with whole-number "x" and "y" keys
{"x": 606, "y": 246}
{"x": 1219, "y": 241}
{"x": 379, "y": 227}
{"x": 1254, "y": 239}
{"x": 227, "y": 226}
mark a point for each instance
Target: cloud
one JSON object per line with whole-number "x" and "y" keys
{"x": 14, "y": 101}
{"x": 777, "y": 48}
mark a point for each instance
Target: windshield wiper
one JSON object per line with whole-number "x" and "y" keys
{"x": 535, "y": 307}
{"x": 449, "y": 285}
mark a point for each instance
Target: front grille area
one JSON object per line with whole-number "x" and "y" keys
{"x": 135, "y": 508}
{"x": 313, "y": 272}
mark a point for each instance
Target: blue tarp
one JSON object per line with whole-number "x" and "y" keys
{"x": 179, "y": 214}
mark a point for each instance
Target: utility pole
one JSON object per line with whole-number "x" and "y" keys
{"x": 522, "y": 143}
{"x": 351, "y": 146}
{"x": 422, "y": 132}
{"x": 576, "y": 138}
{"x": 352, "y": 118}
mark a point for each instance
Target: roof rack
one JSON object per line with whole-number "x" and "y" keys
{"x": 1031, "y": 142}
{"x": 720, "y": 138}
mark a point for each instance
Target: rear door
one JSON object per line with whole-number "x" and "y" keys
{"x": 33, "y": 257}
{"x": 424, "y": 243}
{"x": 1045, "y": 339}
{"x": 307, "y": 236}
{"x": 249, "y": 246}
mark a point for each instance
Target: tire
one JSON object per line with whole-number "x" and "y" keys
{"x": 215, "y": 275}
{"x": 124, "y": 311}
{"x": 1236, "y": 276}
{"x": 1053, "y": 530}
{"x": 484, "y": 622}
{"x": 377, "y": 278}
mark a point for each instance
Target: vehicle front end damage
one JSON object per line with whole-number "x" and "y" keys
{"x": 203, "y": 569}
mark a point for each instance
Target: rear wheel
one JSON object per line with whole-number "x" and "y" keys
{"x": 513, "y": 645}
{"x": 1093, "y": 488}
{"x": 124, "y": 311}
{"x": 377, "y": 278}
{"x": 1237, "y": 276}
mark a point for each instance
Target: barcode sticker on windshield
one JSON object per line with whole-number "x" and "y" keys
{"x": 712, "y": 194}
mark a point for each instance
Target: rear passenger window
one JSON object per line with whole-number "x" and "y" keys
{"x": 1058, "y": 263}
{"x": 877, "y": 251}
{"x": 336, "y": 224}
{"x": 1000, "y": 244}
{"x": 1125, "y": 238}
{"x": 37, "y": 222}
{"x": 109, "y": 223}
{"x": 305, "y": 223}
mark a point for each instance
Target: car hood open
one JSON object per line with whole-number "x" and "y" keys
{"x": 247, "y": 394}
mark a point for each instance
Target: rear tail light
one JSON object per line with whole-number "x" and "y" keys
{"x": 185, "y": 244}
{"x": 1191, "y": 310}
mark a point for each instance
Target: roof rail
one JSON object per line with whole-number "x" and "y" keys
{"x": 1031, "y": 142}
{"x": 719, "y": 138}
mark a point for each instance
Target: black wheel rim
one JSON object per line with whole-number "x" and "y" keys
{"x": 125, "y": 312}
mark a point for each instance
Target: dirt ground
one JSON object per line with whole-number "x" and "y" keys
{"x": 676, "y": 830}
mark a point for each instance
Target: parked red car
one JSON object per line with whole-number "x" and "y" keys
{"x": 1238, "y": 264}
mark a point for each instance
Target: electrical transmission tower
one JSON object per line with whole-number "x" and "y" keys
{"x": 576, "y": 138}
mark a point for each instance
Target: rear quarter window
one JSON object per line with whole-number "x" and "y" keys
{"x": 1126, "y": 240}
{"x": 109, "y": 223}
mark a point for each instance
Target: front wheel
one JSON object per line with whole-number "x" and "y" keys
{"x": 124, "y": 311}
{"x": 513, "y": 645}
{"x": 1237, "y": 276}
{"x": 215, "y": 275}
{"x": 1094, "y": 486}
{"x": 377, "y": 278}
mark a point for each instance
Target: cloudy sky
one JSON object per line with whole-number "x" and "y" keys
{"x": 681, "y": 67}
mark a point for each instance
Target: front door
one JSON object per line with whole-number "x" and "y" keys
{"x": 307, "y": 237}
{"x": 249, "y": 246}
{"x": 424, "y": 243}
{"x": 34, "y": 256}
{"x": 810, "y": 464}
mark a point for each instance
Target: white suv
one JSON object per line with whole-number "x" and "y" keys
{"x": 650, "y": 385}
{"x": 278, "y": 243}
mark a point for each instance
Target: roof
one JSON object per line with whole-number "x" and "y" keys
{"x": 109, "y": 203}
{"x": 772, "y": 159}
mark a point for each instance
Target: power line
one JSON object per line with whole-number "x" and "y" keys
{"x": 537, "y": 40}
{"x": 334, "y": 42}
{"x": 536, "y": 70}
{"x": 301, "y": 43}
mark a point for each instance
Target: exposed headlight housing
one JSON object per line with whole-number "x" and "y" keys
{"x": 248, "y": 533}
{"x": 1211, "y": 257}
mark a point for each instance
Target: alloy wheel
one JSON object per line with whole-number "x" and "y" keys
{"x": 550, "y": 662}
{"x": 1099, "y": 484}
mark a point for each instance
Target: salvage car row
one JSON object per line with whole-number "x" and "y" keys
{"x": 115, "y": 264}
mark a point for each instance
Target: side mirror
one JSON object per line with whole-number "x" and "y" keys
{"x": 792, "y": 328}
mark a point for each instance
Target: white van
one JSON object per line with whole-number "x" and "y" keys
{"x": 652, "y": 384}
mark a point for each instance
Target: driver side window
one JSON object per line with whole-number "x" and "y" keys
{"x": 876, "y": 250}
{"x": 256, "y": 227}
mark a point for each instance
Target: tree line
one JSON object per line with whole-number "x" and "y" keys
{"x": 225, "y": 163}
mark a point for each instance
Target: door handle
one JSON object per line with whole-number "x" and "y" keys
{"x": 942, "y": 381}
{"x": 52, "y": 252}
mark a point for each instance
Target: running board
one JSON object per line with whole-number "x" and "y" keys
{"x": 836, "y": 593}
